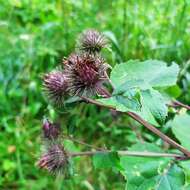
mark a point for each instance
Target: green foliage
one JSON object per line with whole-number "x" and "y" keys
{"x": 181, "y": 128}
{"x": 143, "y": 75}
{"x": 134, "y": 82}
{"x": 106, "y": 160}
{"x": 151, "y": 173}
{"x": 185, "y": 165}
{"x": 155, "y": 104}
{"x": 128, "y": 102}
{"x": 34, "y": 37}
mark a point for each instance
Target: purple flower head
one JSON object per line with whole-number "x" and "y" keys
{"x": 55, "y": 160}
{"x": 92, "y": 41}
{"x": 55, "y": 86}
{"x": 73, "y": 57}
{"x": 84, "y": 73}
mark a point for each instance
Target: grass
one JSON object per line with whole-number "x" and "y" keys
{"x": 35, "y": 35}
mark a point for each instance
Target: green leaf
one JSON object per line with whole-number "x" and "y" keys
{"x": 123, "y": 104}
{"x": 134, "y": 82}
{"x": 186, "y": 187}
{"x": 151, "y": 173}
{"x": 106, "y": 160}
{"x": 113, "y": 101}
{"x": 181, "y": 129}
{"x": 150, "y": 104}
{"x": 186, "y": 165}
{"x": 130, "y": 101}
{"x": 143, "y": 75}
{"x": 173, "y": 91}
{"x": 172, "y": 178}
{"x": 155, "y": 103}
{"x": 170, "y": 93}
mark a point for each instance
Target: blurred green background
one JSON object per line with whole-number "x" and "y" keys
{"x": 34, "y": 37}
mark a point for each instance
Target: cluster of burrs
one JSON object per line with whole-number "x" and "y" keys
{"x": 83, "y": 72}
{"x": 54, "y": 158}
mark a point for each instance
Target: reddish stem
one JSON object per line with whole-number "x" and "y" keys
{"x": 146, "y": 124}
{"x": 177, "y": 103}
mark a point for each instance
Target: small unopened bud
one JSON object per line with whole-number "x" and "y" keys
{"x": 51, "y": 131}
{"x": 55, "y": 160}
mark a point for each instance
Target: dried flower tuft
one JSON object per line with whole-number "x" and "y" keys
{"x": 92, "y": 41}
{"x": 55, "y": 160}
{"x": 84, "y": 74}
{"x": 51, "y": 131}
{"x": 55, "y": 85}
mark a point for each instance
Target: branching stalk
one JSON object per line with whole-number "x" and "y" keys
{"x": 81, "y": 142}
{"x": 128, "y": 153}
{"x": 177, "y": 103}
{"x": 109, "y": 80}
{"x": 146, "y": 124}
{"x": 120, "y": 152}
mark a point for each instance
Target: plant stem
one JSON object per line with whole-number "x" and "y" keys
{"x": 174, "y": 103}
{"x": 103, "y": 92}
{"x": 184, "y": 70}
{"x": 146, "y": 124}
{"x": 81, "y": 142}
{"x": 159, "y": 133}
{"x": 106, "y": 75}
{"x": 177, "y": 103}
{"x": 128, "y": 153}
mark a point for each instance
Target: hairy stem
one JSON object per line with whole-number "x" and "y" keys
{"x": 146, "y": 124}
{"x": 103, "y": 92}
{"x": 159, "y": 133}
{"x": 177, "y": 103}
{"x": 109, "y": 80}
{"x": 81, "y": 142}
{"x": 128, "y": 153}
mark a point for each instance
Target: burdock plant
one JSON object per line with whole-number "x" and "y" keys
{"x": 84, "y": 74}
{"x": 54, "y": 158}
{"x": 136, "y": 93}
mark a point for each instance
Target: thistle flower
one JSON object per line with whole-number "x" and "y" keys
{"x": 51, "y": 131}
{"x": 84, "y": 73}
{"x": 55, "y": 85}
{"x": 55, "y": 160}
{"x": 73, "y": 57}
{"x": 92, "y": 41}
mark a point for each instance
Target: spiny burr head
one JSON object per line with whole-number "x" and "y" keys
{"x": 84, "y": 73}
{"x": 55, "y": 86}
{"x": 92, "y": 41}
{"x": 55, "y": 160}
